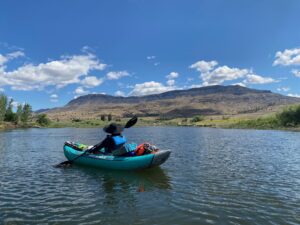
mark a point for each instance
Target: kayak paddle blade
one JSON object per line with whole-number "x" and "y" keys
{"x": 131, "y": 122}
{"x": 64, "y": 164}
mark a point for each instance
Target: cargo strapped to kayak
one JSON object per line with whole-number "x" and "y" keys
{"x": 76, "y": 146}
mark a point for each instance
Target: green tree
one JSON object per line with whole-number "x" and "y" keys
{"x": 102, "y": 117}
{"x": 26, "y": 113}
{"x": 19, "y": 113}
{"x": 3, "y": 105}
{"x": 43, "y": 120}
{"x": 109, "y": 117}
{"x": 289, "y": 117}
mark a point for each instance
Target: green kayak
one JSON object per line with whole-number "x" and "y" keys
{"x": 116, "y": 162}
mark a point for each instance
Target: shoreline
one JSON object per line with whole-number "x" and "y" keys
{"x": 231, "y": 123}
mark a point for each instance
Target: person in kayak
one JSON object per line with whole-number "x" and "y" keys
{"x": 113, "y": 141}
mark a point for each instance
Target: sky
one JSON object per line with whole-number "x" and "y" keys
{"x": 54, "y": 51}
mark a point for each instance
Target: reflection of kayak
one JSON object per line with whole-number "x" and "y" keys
{"x": 117, "y": 162}
{"x": 150, "y": 178}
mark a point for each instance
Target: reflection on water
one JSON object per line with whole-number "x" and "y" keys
{"x": 112, "y": 180}
{"x": 213, "y": 176}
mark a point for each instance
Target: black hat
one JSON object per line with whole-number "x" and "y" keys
{"x": 113, "y": 128}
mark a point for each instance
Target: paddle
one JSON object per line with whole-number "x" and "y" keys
{"x": 68, "y": 163}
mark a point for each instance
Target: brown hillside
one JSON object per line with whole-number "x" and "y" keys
{"x": 212, "y": 100}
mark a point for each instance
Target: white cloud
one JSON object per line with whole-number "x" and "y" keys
{"x": 156, "y": 64}
{"x": 151, "y": 57}
{"x": 115, "y": 75}
{"x": 59, "y": 73}
{"x": 213, "y": 75}
{"x": 10, "y": 56}
{"x": 222, "y": 74}
{"x": 1, "y": 90}
{"x": 294, "y": 95}
{"x": 296, "y": 73}
{"x": 119, "y": 93}
{"x": 195, "y": 86}
{"x": 285, "y": 89}
{"x": 240, "y": 84}
{"x": 15, "y": 54}
{"x": 256, "y": 79}
{"x": 149, "y": 88}
{"x": 54, "y": 98}
{"x": 172, "y": 75}
{"x": 171, "y": 78}
{"x": 97, "y": 93}
{"x": 15, "y": 104}
{"x": 170, "y": 82}
{"x": 80, "y": 91}
{"x": 91, "y": 81}
{"x": 288, "y": 57}
{"x": 204, "y": 66}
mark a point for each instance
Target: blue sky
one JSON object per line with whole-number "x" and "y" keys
{"x": 54, "y": 51}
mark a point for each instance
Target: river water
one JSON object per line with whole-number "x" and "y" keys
{"x": 213, "y": 176}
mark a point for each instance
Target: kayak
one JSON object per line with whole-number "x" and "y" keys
{"x": 116, "y": 162}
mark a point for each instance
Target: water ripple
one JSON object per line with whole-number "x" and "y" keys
{"x": 213, "y": 176}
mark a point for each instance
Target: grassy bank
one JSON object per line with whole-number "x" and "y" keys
{"x": 10, "y": 125}
{"x": 268, "y": 122}
{"x": 288, "y": 119}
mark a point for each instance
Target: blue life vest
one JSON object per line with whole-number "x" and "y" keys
{"x": 119, "y": 141}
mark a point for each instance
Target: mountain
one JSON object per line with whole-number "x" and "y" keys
{"x": 42, "y": 110}
{"x": 210, "y": 100}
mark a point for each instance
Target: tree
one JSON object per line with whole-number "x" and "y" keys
{"x": 26, "y": 113}
{"x": 102, "y": 117}
{"x": 19, "y": 113}
{"x": 3, "y": 105}
{"x": 109, "y": 117}
{"x": 10, "y": 116}
{"x": 289, "y": 117}
{"x": 43, "y": 120}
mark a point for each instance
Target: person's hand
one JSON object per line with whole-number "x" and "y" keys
{"x": 90, "y": 149}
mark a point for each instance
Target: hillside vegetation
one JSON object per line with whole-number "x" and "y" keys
{"x": 212, "y": 101}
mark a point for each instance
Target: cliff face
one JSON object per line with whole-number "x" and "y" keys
{"x": 212, "y": 100}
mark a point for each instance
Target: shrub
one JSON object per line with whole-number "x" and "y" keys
{"x": 196, "y": 119}
{"x": 289, "y": 117}
{"x": 43, "y": 120}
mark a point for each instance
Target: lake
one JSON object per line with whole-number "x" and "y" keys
{"x": 213, "y": 176}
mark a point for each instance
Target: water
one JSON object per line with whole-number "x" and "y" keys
{"x": 213, "y": 176}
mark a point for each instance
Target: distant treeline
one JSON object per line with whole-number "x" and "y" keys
{"x": 23, "y": 113}
{"x": 288, "y": 118}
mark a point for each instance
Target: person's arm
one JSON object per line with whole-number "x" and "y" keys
{"x": 99, "y": 146}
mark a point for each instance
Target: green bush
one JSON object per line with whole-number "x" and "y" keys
{"x": 43, "y": 120}
{"x": 289, "y": 117}
{"x": 196, "y": 119}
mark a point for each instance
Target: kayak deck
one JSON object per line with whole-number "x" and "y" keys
{"x": 117, "y": 162}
